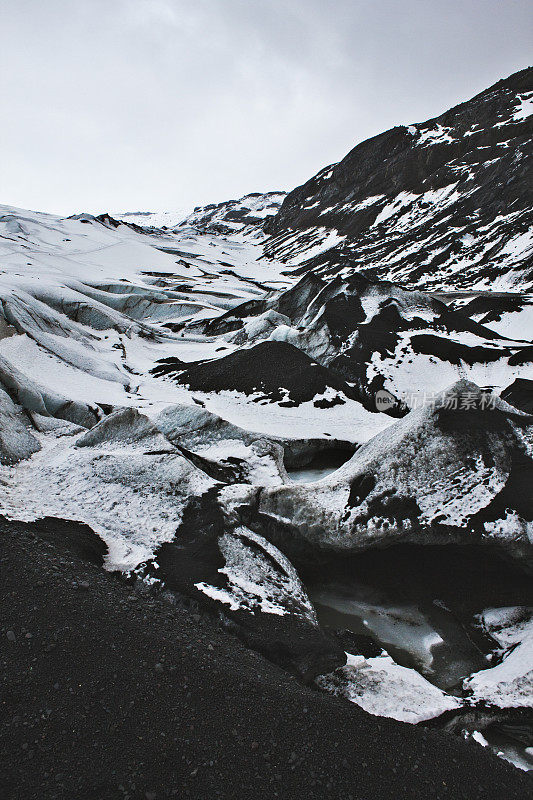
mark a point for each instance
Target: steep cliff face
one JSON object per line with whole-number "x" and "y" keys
{"x": 435, "y": 205}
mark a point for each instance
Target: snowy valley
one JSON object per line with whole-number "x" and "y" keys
{"x": 311, "y": 413}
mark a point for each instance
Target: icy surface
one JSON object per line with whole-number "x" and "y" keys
{"x": 16, "y": 441}
{"x": 86, "y": 302}
{"x": 422, "y": 480}
{"x": 385, "y": 689}
{"x": 510, "y": 683}
{"x": 269, "y": 584}
{"x": 134, "y": 501}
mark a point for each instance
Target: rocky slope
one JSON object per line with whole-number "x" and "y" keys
{"x": 373, "y": 335}
{"x": 115, "y": 693}
{"x": 443, "y": 204}
{"x": 244, "y": 216}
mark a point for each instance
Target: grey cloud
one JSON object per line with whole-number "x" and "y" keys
{"x": 169, "y": 103}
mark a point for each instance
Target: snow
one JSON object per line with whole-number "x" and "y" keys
{"x": 510, "y": 683}
{"x": 524, "y": 108}
{"x": 26, "y": 354}
{"x": 348, "y": 422}
{"x": 480, "y": 739}
{"x": 515, "y": 324}
{"x": 401, "y": 200}
{"x": 385, "y": 689}
{"x": 155, "y": 219}
{"x": 324, "y": 240}
{"x": 416, "y": 378}
{"x": 89, "y": 301}
{"x": 85, "y": 307}
{"x": 239, "y": 216}
{"x": 367, "y": 202}
{"x": 417, "y": 211}
{"x": 412, "y": 231}
{"x": 131, "y": 500}
{"x": 260, "y": 578}
{"x": 437, "y": 135}
{"x": 521, "y": 244}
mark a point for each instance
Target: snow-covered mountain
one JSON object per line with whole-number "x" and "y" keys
{"x": 236, "y": 216}
{"x": 245, "y": 215}
{"x": 443, "y": 204}
{"x": 153, "y": 219}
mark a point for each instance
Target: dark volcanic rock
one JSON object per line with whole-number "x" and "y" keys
{"x": 439, "y": 203}
{"x": 371, "y": 334}
{"x": 278, "y": 370}
{"x": 72, "y": 538}
{"x": 520, "y": 395}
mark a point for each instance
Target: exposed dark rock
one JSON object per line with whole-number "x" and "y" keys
{"x": 189, "y": 729}
{"x": 356, "y": 327}
{"x": 520, "y": 395}
{"x": 72, "y": 538}
{"x": 357, "y": 644}
{"x": 277, "y": 370}
{"x": 416, "y": 203}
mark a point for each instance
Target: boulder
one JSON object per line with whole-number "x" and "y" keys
{"x": 460, "y": 470}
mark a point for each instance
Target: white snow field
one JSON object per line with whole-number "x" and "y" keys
{"x": 84, "y": 302}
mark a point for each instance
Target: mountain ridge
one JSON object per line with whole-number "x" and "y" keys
{"x": 440, "y": 204}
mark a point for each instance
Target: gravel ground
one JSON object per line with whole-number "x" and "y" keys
{"x": 108, "y": 693}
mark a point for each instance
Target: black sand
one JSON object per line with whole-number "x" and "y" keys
{"x": 108, "y": 694}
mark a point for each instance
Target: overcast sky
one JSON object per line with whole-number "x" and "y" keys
{"x": 165, "y": 104}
